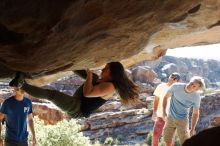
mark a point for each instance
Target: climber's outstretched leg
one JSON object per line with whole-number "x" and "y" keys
{"x": 65, "y": 102}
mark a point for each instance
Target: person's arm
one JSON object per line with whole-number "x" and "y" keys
{"x": 100, "y": 90}
{"x": 83, "y": 74}
{"x": 31, "y": 126}
{"x": 156, "y": 102}
{"x": 165, "y": 99}
{"x": 195, "y": 117}
{"x": 1, "y": 118}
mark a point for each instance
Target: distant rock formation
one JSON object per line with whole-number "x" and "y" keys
{"x": 187, "y": 67}
{"x": 130, "y": 125}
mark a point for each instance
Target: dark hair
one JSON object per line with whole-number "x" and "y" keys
{"x": 177, "y": 75}
{"x": 127, "y": 90}
{"x": 205, "y": 137}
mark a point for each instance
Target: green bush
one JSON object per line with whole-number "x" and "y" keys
{"x": 108, "y": 140}
{"x": 177, "y": 140}
{"x": 143, "y": 111}
{"x": 64, "y": 133}
{"x": 149, "y": 138}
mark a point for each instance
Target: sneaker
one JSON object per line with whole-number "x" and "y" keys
{"x": 18, "y": 81}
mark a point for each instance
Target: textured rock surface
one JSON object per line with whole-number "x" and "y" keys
{"x": 215, "y": 121}
{"x": 45, "y": 37}
{"x": 144, "y": 74}
{"x": 50, "y": 114}
{"x": 164, "y": 66}
{"x": 209, "y": 111}
{"x": 128, "y": 125}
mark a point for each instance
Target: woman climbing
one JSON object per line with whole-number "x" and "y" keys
{"x": 89, "y": 96}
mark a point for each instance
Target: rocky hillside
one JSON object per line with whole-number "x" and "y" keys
{"x": 130, "y": 125}
{"x": 165, "y": 65}
{"x": 126, "y": 126}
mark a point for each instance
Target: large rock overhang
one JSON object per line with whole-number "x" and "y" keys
{"x": 47, "y": 37}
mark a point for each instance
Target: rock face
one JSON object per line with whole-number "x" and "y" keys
{"x": 132, "y": 126}
{"x": 215, "y": 121}
{"x": 43, "y": 37}
{"x": 126, "y": 125}
{"x": 144, "y": 74}
{"x": 129, "y": 126}
{"x": 210, "y": 111}
{"x": 164, "y": 66}
{"x": 48, "y": 113}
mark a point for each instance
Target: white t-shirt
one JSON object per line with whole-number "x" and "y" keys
{"x": 160, "y": 92}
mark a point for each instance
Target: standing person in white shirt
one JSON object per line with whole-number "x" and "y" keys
{"x": 157, "y": 116}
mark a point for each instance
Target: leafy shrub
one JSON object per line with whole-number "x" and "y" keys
{"x": 149, "y": 138}
{"x": 143, "y": 110}
{"x": 141, "y": 145}
{"x": 64, "y": 133}
{"x": 177, "y": 140}
{"x": 108, "y": 140}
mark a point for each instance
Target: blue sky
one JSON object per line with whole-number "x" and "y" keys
{"x": 202, "y": 52}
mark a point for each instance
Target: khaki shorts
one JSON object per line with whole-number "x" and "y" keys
{"x": 172, "y": 124}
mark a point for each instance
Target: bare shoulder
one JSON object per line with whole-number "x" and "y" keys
{"x": 108, "y": 85}
{"x": 107, "y": 88}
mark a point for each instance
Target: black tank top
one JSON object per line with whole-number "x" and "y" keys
{"x": 89, "y": 105}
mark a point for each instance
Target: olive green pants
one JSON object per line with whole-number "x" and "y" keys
{"x": 171, "y": 125}
{"x": 67, "y": 103}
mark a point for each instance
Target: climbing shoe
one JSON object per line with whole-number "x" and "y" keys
{"x": 18, "y": 81}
